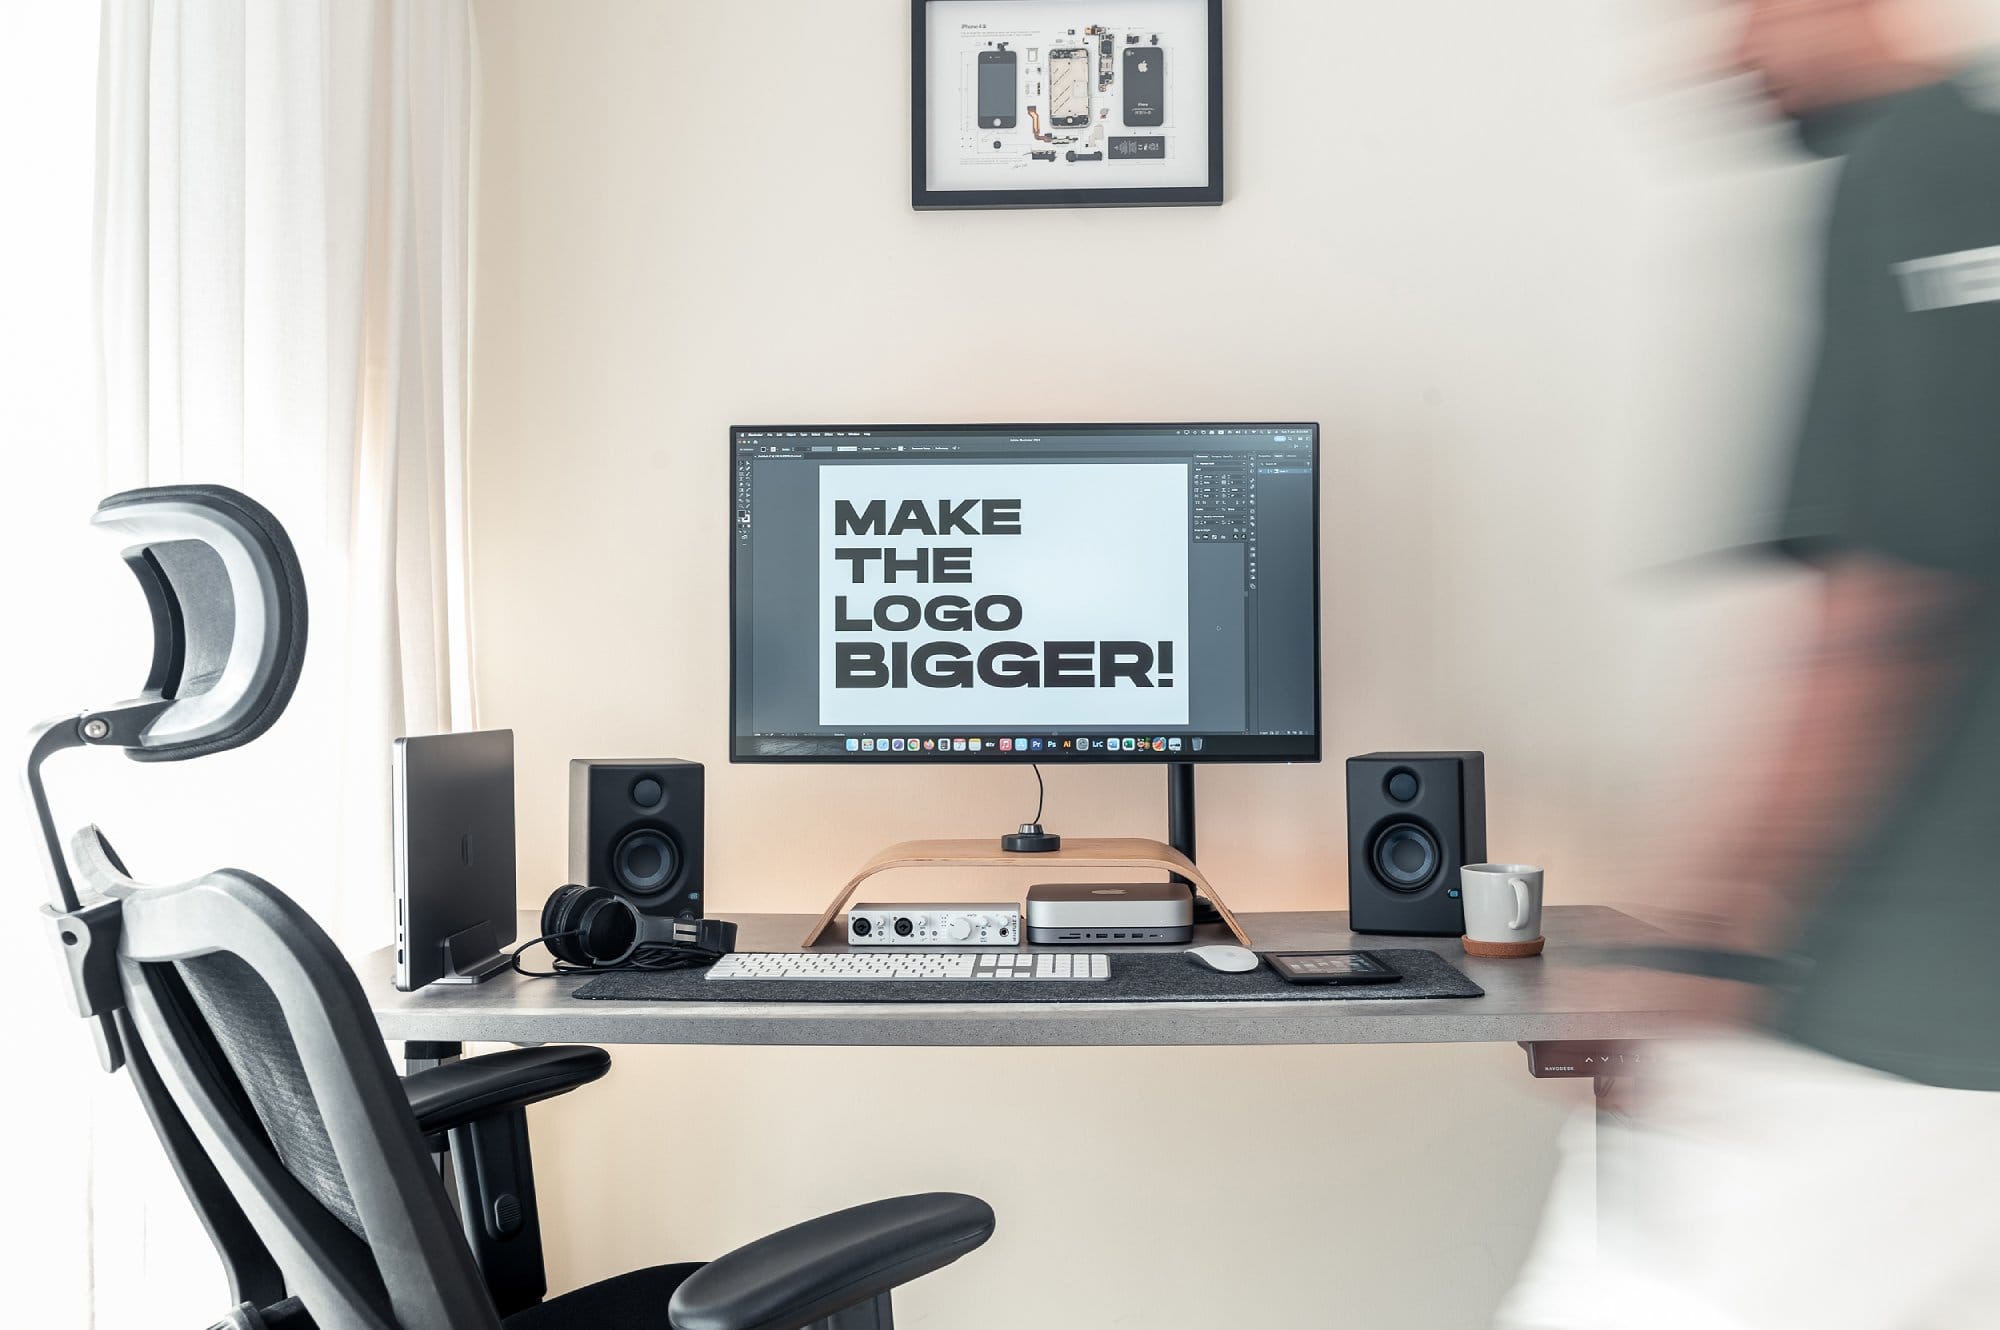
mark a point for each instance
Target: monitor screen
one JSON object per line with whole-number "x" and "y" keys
{"x": 994, "y": 593}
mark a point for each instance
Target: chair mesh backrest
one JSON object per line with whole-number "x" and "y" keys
{"x": 264, "y": 1037}
{"x": 248, "y": 1027}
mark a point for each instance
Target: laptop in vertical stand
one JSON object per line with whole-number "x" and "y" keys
{"x": 454, "y": 829}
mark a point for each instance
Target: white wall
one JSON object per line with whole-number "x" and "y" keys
{"x": 1543, "y": 306}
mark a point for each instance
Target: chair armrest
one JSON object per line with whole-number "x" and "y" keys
{"x": 812, "y": 1270}
{"x": 459, "y": 1093}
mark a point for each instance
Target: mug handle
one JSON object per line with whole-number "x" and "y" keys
{"x": 1520, "y": 886}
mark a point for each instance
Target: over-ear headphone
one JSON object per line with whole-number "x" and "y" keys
{"x": 596, "y": 928}
{"x": 590, "y": 926}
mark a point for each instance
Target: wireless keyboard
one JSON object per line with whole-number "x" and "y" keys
{"x": 753, "y": 965}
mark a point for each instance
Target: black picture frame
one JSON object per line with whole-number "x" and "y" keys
{"x": 923, "y": 198}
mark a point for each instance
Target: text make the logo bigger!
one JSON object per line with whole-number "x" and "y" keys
{"x": 1002, "y": 592}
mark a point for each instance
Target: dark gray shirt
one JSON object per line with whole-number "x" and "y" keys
{"x": 1899, "y": 457}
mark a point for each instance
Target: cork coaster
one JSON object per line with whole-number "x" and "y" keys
{"x": 1503, "y": 950}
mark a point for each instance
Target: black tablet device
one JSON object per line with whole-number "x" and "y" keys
{"x": 1332, "y": 967}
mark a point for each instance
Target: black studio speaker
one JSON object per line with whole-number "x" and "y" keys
{"x": 635, "y": 827}
{"x": 1413, "y": 820}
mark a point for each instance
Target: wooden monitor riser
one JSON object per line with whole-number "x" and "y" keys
{"x": 1105, "y": 852}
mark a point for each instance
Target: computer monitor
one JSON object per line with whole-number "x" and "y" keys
{"x": 1024, "y": 593}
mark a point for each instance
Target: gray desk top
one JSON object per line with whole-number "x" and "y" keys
{"x": 1553, "y": 996}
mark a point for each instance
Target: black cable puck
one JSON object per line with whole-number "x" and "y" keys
{"x": 1030, "y": 839}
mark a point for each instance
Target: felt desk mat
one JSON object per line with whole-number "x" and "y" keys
{"x": 1140, "y": 976}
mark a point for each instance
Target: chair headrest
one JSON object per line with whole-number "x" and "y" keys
{"x": 229, "y": 614}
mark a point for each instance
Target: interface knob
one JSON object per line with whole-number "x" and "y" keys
{"x": 959, "y": 929}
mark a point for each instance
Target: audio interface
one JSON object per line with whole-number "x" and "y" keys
{"x": 934, "y": 925}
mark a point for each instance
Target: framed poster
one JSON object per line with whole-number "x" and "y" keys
{"x": 1065, "y": 103}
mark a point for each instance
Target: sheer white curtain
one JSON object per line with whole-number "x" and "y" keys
{"x": 281, "y": 252}
{"x": 282, "y": 256}
{"x": 47, "y": 53}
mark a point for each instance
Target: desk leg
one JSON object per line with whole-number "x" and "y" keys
{"x": 422, "y": 1055}
{"x": 1581, "y": 1059}
{"x": 1609, "y": 1113}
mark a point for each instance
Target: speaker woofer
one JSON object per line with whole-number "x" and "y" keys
{"x": 1406, "y": 856}
{"x": 645, "y": 861}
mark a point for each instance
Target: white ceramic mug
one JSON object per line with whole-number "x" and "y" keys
{"x": 1503, "y": 902}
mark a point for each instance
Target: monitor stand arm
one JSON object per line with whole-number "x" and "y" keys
{"x": 1180, "y": 831}
{"x": 1180, "y": 811}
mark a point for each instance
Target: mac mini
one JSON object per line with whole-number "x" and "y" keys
{"x": 1143, "y": 912}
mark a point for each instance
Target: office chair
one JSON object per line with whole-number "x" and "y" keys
{"x": 259, "y": 1063}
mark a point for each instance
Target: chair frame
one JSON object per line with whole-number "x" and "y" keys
{"x": 426, "y": 1278}
{"x": 229, "y": 625}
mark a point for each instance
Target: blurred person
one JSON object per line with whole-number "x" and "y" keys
{"x": 1833, "y": 1158}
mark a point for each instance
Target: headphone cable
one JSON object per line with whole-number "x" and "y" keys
{"x": 650, "y": 957}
